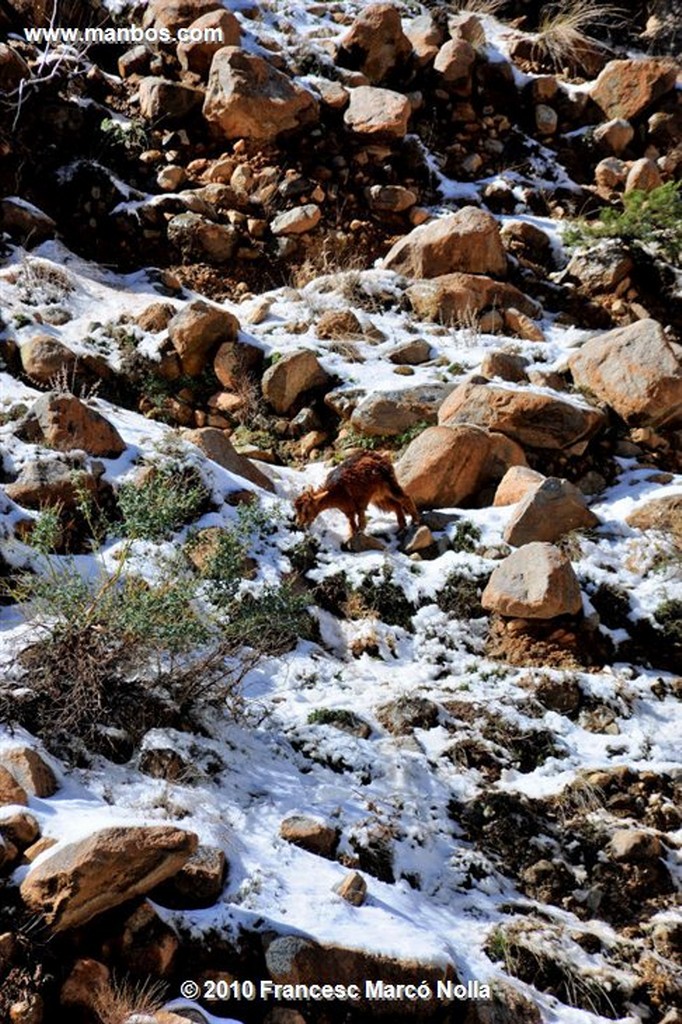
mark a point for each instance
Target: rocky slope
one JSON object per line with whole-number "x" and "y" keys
{"x": 238, "y": 752}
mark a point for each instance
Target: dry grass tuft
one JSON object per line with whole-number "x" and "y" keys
{"x": 566, "y": 28}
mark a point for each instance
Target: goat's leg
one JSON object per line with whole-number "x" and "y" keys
{"x": 362, "y": 519}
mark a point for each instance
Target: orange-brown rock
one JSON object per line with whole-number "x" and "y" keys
{"x": 459, "y": 298}
{"x": 454, "y": 60}
{"x": 515, "y": 485}
{"x": 549, "y": 511}
{"x": 468, "y": 241}
{"x": 196, "y": 55}
{"x": 310, "y": 834}
{"x": 176, "y": 14}
{"x": 10, "y": 790}
{"x": 198, "y": 329}
{"x": 445, "y": 466}
{"x": 637, "y": 370}
{"x": 291, "y": 376}
{"x": 31, "y": 771}
{"x": 535, "y": 582}
{"x": 216, "y": 445}
{"x": 531, "y": 418}
{"x": 375, "y": 113}
{"x": 66, "y": 423}
{"x": 625, "y": 88}
{"x": 248, "y": 98}
{"x": 87, "y": 877}
{"x": 45, "y": 359}
{"x": 236, "y": 360}
{"x": 375, "y": 44}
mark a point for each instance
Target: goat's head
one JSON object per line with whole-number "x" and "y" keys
{"x": 306, "y": 507}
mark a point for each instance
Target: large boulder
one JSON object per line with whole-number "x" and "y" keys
{"x": 446, "y": 466}
{"x": 375, "y": 44}
{"x": 66, "y": 423}
{"x": 44, "y": 359}
{"x": 468, "y": 241}
{"x": 176, "y": 14}
{"x": 548, "y": 512}
{"x": 290, "y": 377}
{"x": 377, "y": 113}
{"x": 388, "y": 413}
{"x": 85, "y": 878}
{"x": 248, "y": 98}
{"x": 294, "y": 959}
{"x": 197, "y": 53}
{"x": 25, "y": 222}
{"x": 198, "y": 329}
{"x": 200, "y": 238}
{"x": 535, "y": 582}
{"x": 637, "y": 370}
{"x": 457, "y": 298}
{"x": 454, "y": 60}
{"x": 529, "y": 417}
{"x": 164, "y": 100}
{"x": 216, "y": 445}
{"x": 626, "y": 88}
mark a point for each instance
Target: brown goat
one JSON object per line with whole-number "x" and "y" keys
{"x": 364, "y": 478}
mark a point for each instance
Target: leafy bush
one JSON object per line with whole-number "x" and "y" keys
{"x": 169, "y": 497}
{"x": 272, "y": 621}
{"x": 387, "y": 599}
{"x": 466, "y": 536}
{"x": 460, "y": 597}
{"x": 668, "y": 615}
{"x": 100, "y": 644}
{"x": 648, "y": 218}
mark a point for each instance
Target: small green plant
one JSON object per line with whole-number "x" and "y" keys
{"x": 465, "y": 537}
{"x": 129, "y": 137}
{"x": 652, "y": 219}
{"x": 170, "y": 496}
{"x": 668, "y": 615}
{"x": 383, "y": 596}
{"x": 332, "y": 716}
{"x": 460, "y": 596}
{"x": 272, "y": 621}
{"x": 46, "y": 533}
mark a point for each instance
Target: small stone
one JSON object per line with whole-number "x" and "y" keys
{"x": 353, "y": 889}
{"x": 296, "y": 221}
{"x": 170, "y": 178}
{"x": 546, "y": 119}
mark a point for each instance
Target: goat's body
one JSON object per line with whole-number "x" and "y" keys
{"x": 366, "y": 478}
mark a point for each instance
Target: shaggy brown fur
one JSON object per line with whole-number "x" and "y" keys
{"x": 364, "y": 478}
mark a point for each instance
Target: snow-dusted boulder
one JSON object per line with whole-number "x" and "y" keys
{"x": 637, "y": 370}
{"x": 537, "y": 420}
{"x": 444, "y": 466}
{"x": 535, "y": 582}
{"x": 248, "y": 98}
{"x": 468, "y": 240}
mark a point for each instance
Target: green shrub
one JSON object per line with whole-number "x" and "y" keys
{"x": 387, "y": 599}
{"x": 466, "y": 536}
{"x": 273, "y": 621}
{"x": 647, "y": 218}
{"x": 169, "y": 497}
{"x": 460, "y": 597}
{"x": 668, "y": 615}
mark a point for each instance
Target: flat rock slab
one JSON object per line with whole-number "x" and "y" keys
{"x": 90, "y": 876}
